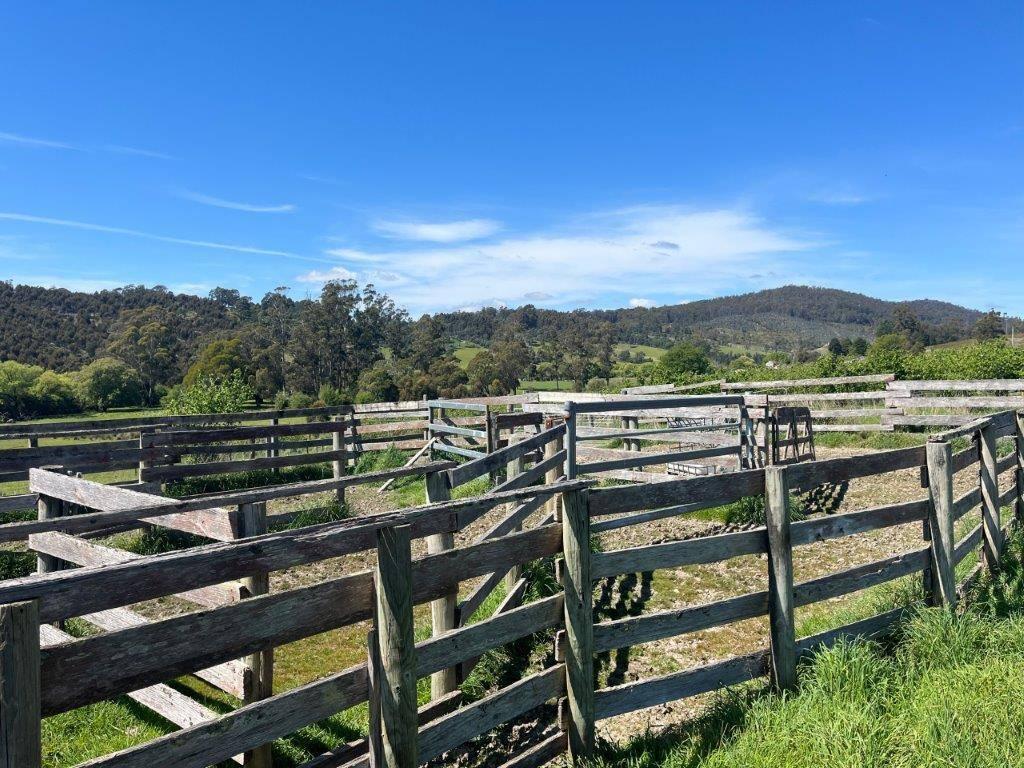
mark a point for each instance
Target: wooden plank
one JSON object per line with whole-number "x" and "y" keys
{"x": 533, "y": 474}
{"x": 940, "y": 522}
{"x": 627, "y": 521}
{"x": 860, "y": 577}
{"x": 447, "y": 429}
{"x": 541, "y": 754}
{"x": 481, "y": 716}
{"x": 227, "y": 676}
{"x": 209, "y": 743}
{"x": 577, "y": 585}
{"x": 397, "y": 643}
{"x": 86, "y": 553}
{"x": 966, "y": 544}
{"x": 445, "y": 447}
{"x": 178, "y": 471}
{"x": 999, "y": 403}
{"x": 855, "y": 413}
{"x": 173, "y": 706}
{"x": 212, "y": 523}
{"x": 990, "y": 506}
{"x": 781, "y": 621}
{"x": 666, "y": 403}
{"x": 73, "y": 592}
{"x": 807, "y": 475}
{"x": 629, "y": 697}
{"x": 947, "y": 385}
{"x": 865, "y": 629}
{"x": 20, "y": 722}
{"x": 726, "y": 487}
{"x": 647, "y": 459}
{"x": 466, "y": 472}
{"x": 707, "y": 549}
{"x": 470, "y": 642}
{"x": 635, "y": 630}
{"x": 95, "y": 495}
{"x": 61, "y": 428}
{"x": 23, "y": 501}
{"x": 457, "y": 405}
{"x": 873, "y": 378}
{"x": 850, "y": 523}
{"x": 824, "y": 397}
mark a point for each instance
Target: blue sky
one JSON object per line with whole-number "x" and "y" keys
{"x": 563, "y": 154}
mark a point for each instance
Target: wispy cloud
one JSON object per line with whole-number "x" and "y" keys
{"x": 138, "y": 151}
{"x": 71, "y": 224}
{"x": 31, "y": 141}
{"x": 612, "y": 253}
{"x": 839, "y": 197}
{"x": 321, "y": 276}
{"x": 648, "y": 303}
{"x": 81, "y": 284}
{"x": 217, "y": 202}
{"x": 119, "y": 149}
{"x": 438, "y": 232}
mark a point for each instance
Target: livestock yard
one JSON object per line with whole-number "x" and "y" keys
{"x": 483, "y": 582}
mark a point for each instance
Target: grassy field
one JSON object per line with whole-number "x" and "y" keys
{"x": 466, "y": 351}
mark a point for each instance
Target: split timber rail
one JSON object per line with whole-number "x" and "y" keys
{"x": 40, "y": 677}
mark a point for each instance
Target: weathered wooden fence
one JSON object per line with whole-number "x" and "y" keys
{"x": 65, "y": 673}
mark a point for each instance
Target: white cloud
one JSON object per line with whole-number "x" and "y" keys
{"x": 648, "y": 303}
{"x": 29, "y": 141}
{"x": 216, "y": 202}
{"x": 607, "y": 254}
{"x": 69, "y": 223}
{"x": 326, "y": 275}
{"x": 438, "y": 232}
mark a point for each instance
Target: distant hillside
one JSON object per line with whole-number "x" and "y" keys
{"x": 774, "y": 319}
{"x": 63, "y": 330}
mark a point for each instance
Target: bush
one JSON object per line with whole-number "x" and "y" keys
{"x": 28, "y": 391}
{"x": 108, "y": 383}
{"x": 211, "y": 395}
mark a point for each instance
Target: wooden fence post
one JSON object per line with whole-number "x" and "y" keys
{"x": 373, "y": 738}
{"x": 338, "y": 464}
{"x": 442, "y": 610}
{"x": 20, "y": 717}
{"x": 570, "y": 440}
{"x": 145, "y": 443}
{"x": 551, "y": 448}
{"x": 258, "y": 669}
{"x": 1019, "y": 508}
{"x": 928, "y": 585}
{"x": 992, "y": 535}
{"x": 272, "y": 450}
{"x": 940, "y": 521}
{"x": 514, "y": 468}
{"x": 780, "y": 578}
{"x": 397, "y": 644}
{"x": 48, "y": 509}
{"x": 578, "y": 587}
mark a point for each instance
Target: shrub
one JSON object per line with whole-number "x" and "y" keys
{"x": 108, "y": 383}
{"x": 211, "y": 395}
{"x": 28, "y": 391}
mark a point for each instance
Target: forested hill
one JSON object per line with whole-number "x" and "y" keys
{"x": 777, "y": 318}
{"x": 64, "y": 330}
